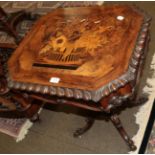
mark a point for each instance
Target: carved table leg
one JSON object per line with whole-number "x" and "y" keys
{"x": 35, "y": 118}
{"x": 88, "y": 125}
{"x": 117, "y": 123}
{"x": 135, "y": 100}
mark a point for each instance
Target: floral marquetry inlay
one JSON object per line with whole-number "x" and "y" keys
{"x": 88, "y": 49}
{"x": 77, "y": 40}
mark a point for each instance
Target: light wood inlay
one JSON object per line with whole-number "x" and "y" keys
{"x": 85, "y": 48}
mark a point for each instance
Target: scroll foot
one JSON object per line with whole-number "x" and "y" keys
{"x": 35, "y": 118}
{"x": 138, "y": 100}
{"x": 88, "y": 125}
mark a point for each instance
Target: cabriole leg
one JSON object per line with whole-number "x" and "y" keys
{"x": 88, "y": 125}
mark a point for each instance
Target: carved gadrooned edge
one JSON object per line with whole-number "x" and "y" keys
{"x": 101, "y": 92}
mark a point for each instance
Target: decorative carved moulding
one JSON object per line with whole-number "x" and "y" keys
{"x": 83, "y": 55}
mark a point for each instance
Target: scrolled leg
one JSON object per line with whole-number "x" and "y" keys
{"x": 88, "y": 125}
{"x": 35, "y": 118}
{"x": 138, "y": 100}
{"x": 117, "y": 123}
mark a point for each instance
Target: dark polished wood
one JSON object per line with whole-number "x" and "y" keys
{"x": 87, "y": 126}
{"x": 9, "y": 22}
{"x": 88, "y": 57}
{"x": 14, "y": 104}
{"x": 117, "y": 123}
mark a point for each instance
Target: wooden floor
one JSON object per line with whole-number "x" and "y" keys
{"x": 54, "y": 133}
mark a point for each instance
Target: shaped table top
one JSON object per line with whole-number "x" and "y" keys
{"x": 82, "y": 48}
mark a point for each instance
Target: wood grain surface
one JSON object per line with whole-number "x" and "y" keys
{"x": 84, "y": 47}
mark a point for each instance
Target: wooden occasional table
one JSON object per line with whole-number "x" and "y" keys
{"x": 89, "y": 57}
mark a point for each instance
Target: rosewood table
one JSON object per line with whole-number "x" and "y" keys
{"x": 89, "y": 57}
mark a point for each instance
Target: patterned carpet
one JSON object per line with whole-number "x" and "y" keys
{"x": 16, "y": 128}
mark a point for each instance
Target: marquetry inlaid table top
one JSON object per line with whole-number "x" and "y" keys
{"x": 85, "y": 52}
